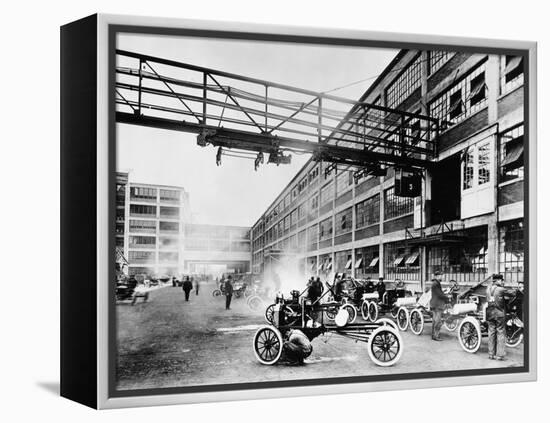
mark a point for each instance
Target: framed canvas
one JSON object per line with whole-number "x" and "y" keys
{"x": 255, "y": 211}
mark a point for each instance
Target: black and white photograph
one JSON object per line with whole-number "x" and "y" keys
{"x": 291, "y": 213}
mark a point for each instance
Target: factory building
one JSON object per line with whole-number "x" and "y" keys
{"x": 155, "y": 237}
{"x": 467, "y": 221}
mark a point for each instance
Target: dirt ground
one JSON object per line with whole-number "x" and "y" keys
{"x": 167, "y": 342}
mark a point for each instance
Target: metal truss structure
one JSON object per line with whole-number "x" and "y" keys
{"x": 249, "y": 118}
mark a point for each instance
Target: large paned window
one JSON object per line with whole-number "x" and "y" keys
{"x": 512, "y": 251}
{"x": 436, "y": 59}
{"x": 343, "y": 222}
{"x": 401, "y": 262}
{"x": 465, "y": 262}
{"x": 325, "y": 229}
{"x": 140, "y": 210}
{"x": 395, "y": 206}
{"x": 147, "y": 194}
{"x": 148, "y": 226}
{"x": 367, "y": 262}
{"x": 327, "y": 194}
{"x": 511, "y": 75}
{"x": 463, "y": 99}
{"x": 511, "y": 153}
{"x": 405, "y": 84}
{"x": 477, "y": 163}
{"x": 367, "y": 212}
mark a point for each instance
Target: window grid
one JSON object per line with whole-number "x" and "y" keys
{"x": 343, "y": 222}
{"x": 364, "y": 257}
{"x": 367, "y": 212}
{"x": 395, "y": 262}
{"x": 149, "y": 226}
{"x": 395, "y": 206}
{"x": 505, "y": 138}
{"x": 511, "y": 251}
{"x": 484, "y": 162}
{"x": 436, "y": 59}
{"x": 511, "y": 76}
{"x": 138, "y": 209}
{"x": 169, "y": 195}
{"x": 327, "y": 194}
{"x": 463, "y": 99}
{"x": 405, "y": 84}
{"x": 325, "y": 229}
{"x": 143, "y": 193}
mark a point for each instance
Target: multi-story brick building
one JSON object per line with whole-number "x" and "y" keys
{"x": 468, "y": 221}
{"x": 150, "y": 226}
{"x": 155, "y": 234}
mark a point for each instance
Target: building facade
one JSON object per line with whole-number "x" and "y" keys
{"x": 155, "y": 235}
{"x": 217, "y": 249}
{"x": 150, "y": 223}
{"x": 468, "y": 221}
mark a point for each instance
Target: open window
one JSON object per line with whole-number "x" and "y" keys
{"x": 477, "y": 89}
{"x": 456, "y": 105}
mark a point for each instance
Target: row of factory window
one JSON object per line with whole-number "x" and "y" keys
{"x": 465, "y": 97}
{"x": 215, "y": 231}
{"x": 151, "y": 256}
{"x": 464, "y": 262}
{"x": 150, "y": 226}
{"x": 209, "y": 244}
{"x": 151, "y": 211}
{"x": 367, "y": 213}
{"x": 150, "y": 242}
{"x": 150, "y": 194}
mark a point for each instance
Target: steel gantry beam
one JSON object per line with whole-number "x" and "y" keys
{"x": 248, "y": 115}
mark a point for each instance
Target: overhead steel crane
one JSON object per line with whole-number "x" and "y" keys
{"x": 253, "y": 118}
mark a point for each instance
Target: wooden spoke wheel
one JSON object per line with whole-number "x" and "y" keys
{"x": 352, "y": 312}
{"x": 385, "y": 346}
{"x": 331, "y": 312}
{"x": 269, "y": 313}
{"x": 416, "y": 321}
{"x": 365, "y": 309}
{"x": 402, "y": 318}
{"x": 373, "y": 311}
{"x": 451, "y": 324}
{"x": 469, "y": 334}
{"x": 268, "y": 345}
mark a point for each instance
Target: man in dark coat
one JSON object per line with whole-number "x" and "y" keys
{"x": 496, "y": 312}
{"x": 228, "y": 291}
{"x": 437, "y": 305}
{"x": 380, "y": 287}
{"x": 187, "y": 287}
{"x": 314, "y": 290}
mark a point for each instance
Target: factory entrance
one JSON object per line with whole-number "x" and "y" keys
{"x": 445, "y": 196}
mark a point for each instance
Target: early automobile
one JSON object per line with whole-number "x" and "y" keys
{"x": 384, "y": 343}
{"x": 129, "y": 289}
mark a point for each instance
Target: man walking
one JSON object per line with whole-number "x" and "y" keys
{"x": 197, "y": 286}
{"x": 187, "y": 287}
{"x": 437, "y": 305}
{"x": 228, "y": 291}
{"x": 496, "y": 318}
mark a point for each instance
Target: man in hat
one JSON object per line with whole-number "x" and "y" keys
{"x": 437, "y": 305}
{"x": 228, "y": 291}
{"x": 380, "y": 287}
{"x": 495, "y": 315}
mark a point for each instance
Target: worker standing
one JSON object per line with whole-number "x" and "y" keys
{"x": 228, "y": 291}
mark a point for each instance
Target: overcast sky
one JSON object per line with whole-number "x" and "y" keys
{"x": 235, "y": 194}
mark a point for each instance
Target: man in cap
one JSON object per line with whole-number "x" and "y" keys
{"x": 228, "y": 291}
{"x": 437, "y": 304}
{"x": 495, "y": 315}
